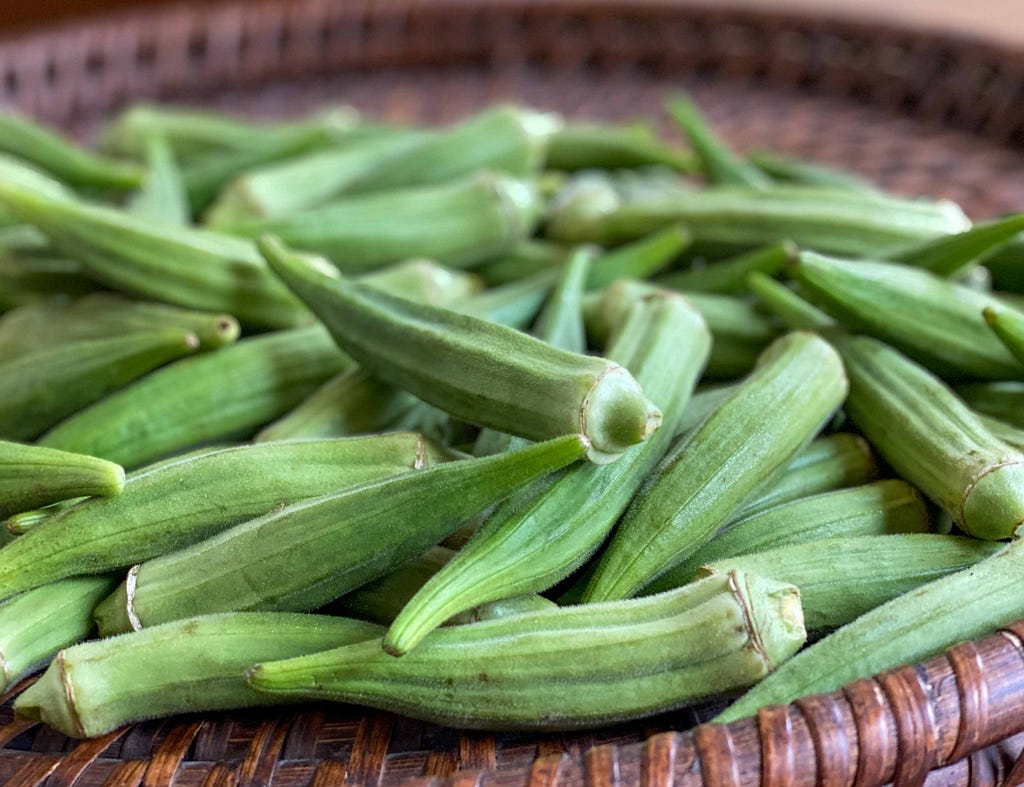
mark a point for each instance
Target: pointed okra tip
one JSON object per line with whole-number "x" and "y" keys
{"x": 51, "y": 700}
{"x": 290, "y": 265}
{"x": 616, "y": 415}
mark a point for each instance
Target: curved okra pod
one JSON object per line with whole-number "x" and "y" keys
{"x": 40, "y": 388}
{"x": 570, "y": 667}
{"x": 934, "y": 321}
{"x": 729, "y": 276}
{"x": 955, "y": 255}
{"x": 217, "y": 396}
{"x": 185, "y": 500}
{"x": 586, "y": 146}
{"x": 31, "y": 477}
{"x": 797, "y": 385}
{"x": 478, "y": 371}
{"x": 639, "y": 259}
{"x": 530, "y": 544}
{"x": 308, "y": 553}
{"x": 961, "y": 606}
{"x": 188, "y": 666}
{"x": 1008, "y": 325}
{"x": 932, "y": 439}
{"x": 875, "y": 509}
{"x": 36, "y": 624}
{"x": 840, "y": 579}
{"x": 193, "y": 268}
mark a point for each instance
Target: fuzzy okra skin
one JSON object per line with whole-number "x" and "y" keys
{"x": 36, "y": 624}
{"x": 932, "y": 439}
{"x": 478, "y": 371}
{"x": 797, "y": 385}
{"x": 961, "y": 606}
{"x": 32, "y": 476}
{"x": 187, "y": 666}
{"x": 840, "y": 579}
{"x": 934, "y": 321}
{"x": 193, "y": 268}
{"x": 184, "y": 501}
{"x": 528, "y": 545}
{"x": 308, "y": 553}
{"x": 40, "y": 388}
{"x": 217, "y": 396}
{"x": 570, "y": 667}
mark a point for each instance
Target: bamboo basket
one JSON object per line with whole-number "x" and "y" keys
{"x": 919, "y": 113}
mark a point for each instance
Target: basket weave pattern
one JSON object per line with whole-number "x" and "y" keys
{"x": 918, "y": 113}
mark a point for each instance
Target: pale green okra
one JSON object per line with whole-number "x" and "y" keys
{"x": 32, "y": 476}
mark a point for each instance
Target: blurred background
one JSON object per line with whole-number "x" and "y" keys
{"x": 1001, "y": 20}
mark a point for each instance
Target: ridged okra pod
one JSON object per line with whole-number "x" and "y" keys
{"x": 842, "y": 578}
{"x": 567, "y": 668}
{"x": 457, "y": 224}
{"x": 1008, "y": 325}
{"x": 639, "y": 259}
{"x": 729, "y": 276}
{"x": 424, "y": 281}
{"x": 478, "y": 371}
{"x": 1001, "y": 400}
{"x": 797, "y": 385}
{"x": 31, "y": 477}
{"x": 955, "y": 255}
{"x": 527, "y": 258}
{"x": 39, "y": 389}
{"x": 193, "y": 268}
{"x": 875, "y": 509}
{"x": 934, "y": 321}
{"x": 188, "y": 666}
{"x": 529, "y": 544}
{"x": 932, "y": 439}
{"x": 182, "y": 501}
{"x": 308, "y": 553}
{"x": 217, "y": 396}
{"x": 36, "y": 624}
{"x": 24, "y": 282}
{"x": 961, "y": 606}
{"x": 514, "y": 304}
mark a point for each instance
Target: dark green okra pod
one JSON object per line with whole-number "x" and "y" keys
{"x": 527, "y": 258}
{"x": 570, "y": 667}
{"x": 589, "y": 146}
{"x": 797, "y": 385}
{"x": 188, "y": 666}
{"x": 729, "y": 276}
{"x": 639, "y": 259}
{"x": 478, "y": 371}
{"x": 955, "y": 255}
{"x": 308, "y": 553}
{"x": 1008, "y": 325}
{"x": 1003, "y": 400}
{"x": 31, "y": 477}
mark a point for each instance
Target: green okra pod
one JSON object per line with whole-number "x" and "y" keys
{"x": 1001, "y": 400}
{"x": 931, "y": 438}
{"x": 934, "y": 321}
{"x": 216, "y": 396}
{"x": 639, "y": 259}
{"x": 560, "y": 322}
{"x": 40, "y": 388}
{"x": 790, "y": 308}
{"x": 961, "y": 606}
{"x": 729, "y": 276}
{"x": 1004, "y": 265}
{"x": 185, "y": 500}
{"x": 162, "y": 195}
{"x": 425, "y": 281}
{"x": 31, "y": 476}
{"x": 797, "y": 385}
{"x": 188, "y": 666}
{"x": 840, "y": 579}
{"x": 875, "y": 509}
{"x": 527, "y": 258}
{"x": 20, "y": 524}
{"x": 797, "y": 170}
{"x": 514, "y": 304}
{"x": 41, "y": 147}
{"x": 591, "y": 146}
{"x": 193, "y": 268}
{"x": 38, "y": 623}
{"x": 954, "y": 255}
{"x": 479, "y": 371}
{"x": 308, "y": 553}
{"x": 626, "y": 660}
{"x": 530, "y": 544}
{"x": 458, "y": 223}
{"x": 703, "y": 403}
{"x": 1008, "y": 325}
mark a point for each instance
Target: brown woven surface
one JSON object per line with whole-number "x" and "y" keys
{"x": 918, "y": 113}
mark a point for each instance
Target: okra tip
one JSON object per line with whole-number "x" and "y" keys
{"x": 775, "y": 617}
{"x": 993, "y": 506}
{"x": 616, "y": 415}
{"x": 51, "y": 700}
{"x": 115, "y": 615}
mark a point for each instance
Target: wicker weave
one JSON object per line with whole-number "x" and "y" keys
{"x": 919, "y": 113}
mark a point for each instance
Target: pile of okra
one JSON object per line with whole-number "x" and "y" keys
{"x": 520, "y": 423}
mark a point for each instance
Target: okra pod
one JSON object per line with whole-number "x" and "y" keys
{"x": 934, "y": 321}
{"x": 217, "y": 396}
{"x": 729, "y": 276}
{"x": 797, "y": 170}
{"x": 840, "y": 579}
{"x": 702, "y": 404}
{"x": 932, "y": 439}
{"x": 797, "y": 385}
{"x": 189, "y": 666}
{"x": 590, "y": 146}
{"x": 560, "y": 322}
{"x": 25, "y": 281}
{"x": 31, "y": 477}
{"x": 305, "y": 554}
{"x": 1001, "y": 400}
{"x": 514, "y": 304}
{"x": 795, "y": 312}
{"x": 1008, "y": 325}
{"x": 40, "y": 388}
{"x": 961, "y": 606}
{"x": 954, "y": 255}
{"x": 183, "y": 501}
{"x": 628, "y": 660}
{"x": 162, "y": 195}
{"x": 1004, "y": 265}
{"x": 37, "y": 624}
{"x": 639, "y": 259}
{"x": 499, "y": 378}
{"x": 530, "y": 544}
{"x": 526, "y": 259}
{"x": 425, "y": 281}
{"x": 875, "y": 509}
{"x": 458, "y": 224}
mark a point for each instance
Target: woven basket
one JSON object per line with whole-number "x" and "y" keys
{"x": 918, "y": 113}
